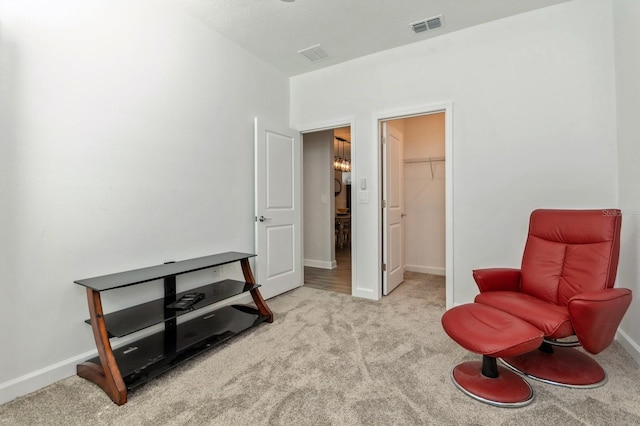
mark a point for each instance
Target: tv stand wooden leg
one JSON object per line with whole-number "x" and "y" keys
{"x": 107, "y": 375}
{"x": 257, "y": 297}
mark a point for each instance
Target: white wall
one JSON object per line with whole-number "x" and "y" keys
{"x": 127, "y": 141}
{"x": 533, "y": 125}
{"x": 424, "y": 194}
{"x": 319, "y": 250}
{"x": 627, "y": 61}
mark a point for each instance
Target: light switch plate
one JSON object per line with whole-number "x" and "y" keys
{"x": 363, "y": 197}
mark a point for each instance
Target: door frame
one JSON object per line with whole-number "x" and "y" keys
{"x": 378, "y": 118}
{"x": 329, "y": 125}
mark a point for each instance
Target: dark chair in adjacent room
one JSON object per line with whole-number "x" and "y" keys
{"x": 565, "y": 289}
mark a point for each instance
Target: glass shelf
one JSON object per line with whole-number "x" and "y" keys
{"x": 151, "y": 356}
{"x": 137, "y": 276}
{"x": 139, "y": 317}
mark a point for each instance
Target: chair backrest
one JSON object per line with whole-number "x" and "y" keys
{"x": 570, "y": 252}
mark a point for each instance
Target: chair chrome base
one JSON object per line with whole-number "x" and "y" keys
{"x": 564, "y": 367}
{"x": 508, "y": 390}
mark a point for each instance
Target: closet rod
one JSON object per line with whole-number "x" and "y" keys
{"x": 423, "y": 160}
{"x": 429, "y": 160}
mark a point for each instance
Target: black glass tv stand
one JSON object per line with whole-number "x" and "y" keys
{"x": 117, "y": 371}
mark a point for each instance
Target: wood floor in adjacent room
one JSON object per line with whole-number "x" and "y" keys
{"x": 338, "y": 279}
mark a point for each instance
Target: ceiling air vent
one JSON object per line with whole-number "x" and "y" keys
{"x": 314, "y": 53}
{"x": 427, "y": 24}
{"x": 435, "y": 22}
{"x": 419, "y": 27}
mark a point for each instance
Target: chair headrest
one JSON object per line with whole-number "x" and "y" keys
{"x": 576, "y": 226}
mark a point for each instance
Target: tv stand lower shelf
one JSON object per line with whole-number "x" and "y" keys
{"x": 120, "y": 370}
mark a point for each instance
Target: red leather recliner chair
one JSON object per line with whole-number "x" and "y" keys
{"x": 564, "y": 288}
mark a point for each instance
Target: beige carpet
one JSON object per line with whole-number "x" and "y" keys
{"x": 330, "y": 359}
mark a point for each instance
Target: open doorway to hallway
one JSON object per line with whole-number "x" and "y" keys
{"x": 327, "y": 209}
{"x": 414, "y": 200}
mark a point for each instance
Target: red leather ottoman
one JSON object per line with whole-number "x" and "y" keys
{"x": 493, "y": 334}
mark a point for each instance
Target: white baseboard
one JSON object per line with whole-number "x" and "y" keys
{"x": 38, "y": 379}
{"x": 365, "y": 293}
{"x": 629, "y": 345}
{"x": 320, "y": 264}
{"x": 46, "y": 376}
{"x": 431, "y": 270}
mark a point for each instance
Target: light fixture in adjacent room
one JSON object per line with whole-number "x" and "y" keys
{"x": 340, "y": 161}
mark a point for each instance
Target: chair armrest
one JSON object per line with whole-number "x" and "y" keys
{"x": 497, "y": 279}
{"x": 596, "y": 316}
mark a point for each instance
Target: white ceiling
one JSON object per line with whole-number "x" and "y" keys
{"x": 275, "y": 30}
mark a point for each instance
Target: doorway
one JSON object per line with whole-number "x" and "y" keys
{"x": 328, "y": 225}
{"x": 413, "y": 175}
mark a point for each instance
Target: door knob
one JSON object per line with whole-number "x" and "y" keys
{"x": 403, "y": 215}
{"x": 262, "y": 218}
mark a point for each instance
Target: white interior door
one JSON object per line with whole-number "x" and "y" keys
{"x": 278, "y": 208}
{"x": 392, "y": 210}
